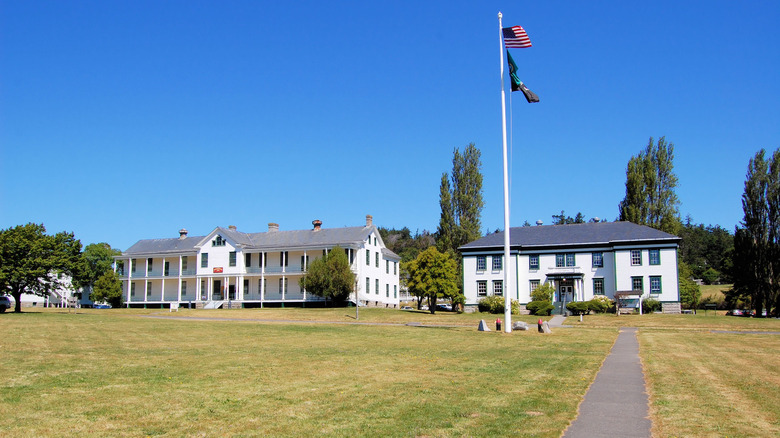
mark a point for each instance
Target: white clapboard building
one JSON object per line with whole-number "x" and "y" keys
{"x": 581, "y": 261}
{"x": 228, "y": 267}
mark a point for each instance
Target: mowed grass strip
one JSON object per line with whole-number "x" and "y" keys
{"x": 699, "y": 322}
{"x": 712, "y": 384}
{"x": 114, "y": 374}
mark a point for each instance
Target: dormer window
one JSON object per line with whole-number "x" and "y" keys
{"x": 219, "y": 241}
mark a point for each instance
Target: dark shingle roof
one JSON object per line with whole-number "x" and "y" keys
{"x": 600, "y": 233}
{"x": 156, "y": 246}
{"x": 325, "y": 237}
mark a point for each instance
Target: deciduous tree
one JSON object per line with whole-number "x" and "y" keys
{"x": 433, "y": 275}
{"x": 30, "y": 260}
{"x": 650, "y": 183}
{"x": 330, "y": 276}
{"x": 107, "y": 288}
{"x": 460, "y": 198}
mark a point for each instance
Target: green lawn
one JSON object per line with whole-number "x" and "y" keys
{"x": 250, "y": 372}
{"x": 100, "y": 373}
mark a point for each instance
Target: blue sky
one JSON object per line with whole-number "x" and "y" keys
{"x": 126, "y": 120}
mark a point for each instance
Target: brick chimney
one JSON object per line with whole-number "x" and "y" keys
{"x": 232, "y": 227}
{"x": 369, "y": 220}
{"x": 317, "y": 224}
{"x": 183, "y": 233}
{"x": 272, "y": 227}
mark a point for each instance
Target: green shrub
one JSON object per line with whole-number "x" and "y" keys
{"x": 495, "y": 304}
{"x": 541, "y": 308}
{"x": 579, "y": 307}
{"x": 651, "y": 305}
{"x": 543, "y": 293}
{"x": 601, "y": 304}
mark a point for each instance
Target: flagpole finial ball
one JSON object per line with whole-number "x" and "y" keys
{"x": 499, "y": 14}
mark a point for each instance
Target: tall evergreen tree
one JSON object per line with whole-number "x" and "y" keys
{"x": 756, "y": 268}
{"x": 650, "y": 183}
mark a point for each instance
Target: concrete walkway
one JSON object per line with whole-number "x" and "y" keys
{"x": 556, "y": 321}
{"x": 616, "y": 404}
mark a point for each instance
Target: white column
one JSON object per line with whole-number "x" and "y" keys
{"x": 240, "y": 288}
{"x": 305, "y": 266}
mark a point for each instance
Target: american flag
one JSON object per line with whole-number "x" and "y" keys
{"x": 516, "y": 38}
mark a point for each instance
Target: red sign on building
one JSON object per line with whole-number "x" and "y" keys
{"x": 217, "y": 270}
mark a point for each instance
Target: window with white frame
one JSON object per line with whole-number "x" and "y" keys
{"x": 376, "y": 286}
{"x": 654, "y": 256}
{"x": 481, "y": 263}
{"x": 395, "y": 291}
{"x": 377, "y": 259}
{"x": 387, "y": 266}
{"x": 636, "y": 257}
{"x": 533, "y": 285}
{"x": 655, "y": 285}
{"x": 184, "y": 263}
{"x": 497, "y": 263}
{"x": 387, "y": 290}
{"x": 247, "y": 260}
{"x": 132, "y": 289}
{"x": 204, "y": 260}
{"x": 283, "y": 285}
{"x": 533, "y": 261}
{"x": 368, "y": 258}
{"x": 498, "y": 287}
{"x": 598, "y": 259}
{"x": 598, "y": 286}
{"x": 148, "y": 288}
{"x": 183, "y": 288}
{"x": 368, "y": 285}
{"x": 482, "y": 288}
{"x": 232, "y": 258}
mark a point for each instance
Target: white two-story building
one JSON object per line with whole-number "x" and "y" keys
{"x": 580, "y": 261}
{"x": 228, "y": 267}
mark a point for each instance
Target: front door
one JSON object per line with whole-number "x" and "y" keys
{"x": 217, "y": 294}
{"x": 566, "y": 293}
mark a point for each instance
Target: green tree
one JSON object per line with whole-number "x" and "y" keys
{"x": 447, "y": 233}
{"x": 756, "y": 268}
{"x": 96, "y": 260}
{"x": 690, "y": 294}
{"x": 650, "y": 183}
{"x": 30, "y": 260}
{"x": 562, "y": 219}
{"x": 330, "y": 276}
{"x": 467, "y": 192}
{"x": 433, "y": 275}
{"x": 107, "y": 288}
{"x": 461, "y": 201}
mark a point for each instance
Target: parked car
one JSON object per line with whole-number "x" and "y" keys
{"x": 444, "y": 307}
{"x": 736, "y": 312}
{"x": 101, "y": 306}
{"x": 407, "y": 308}
{"x": 5, "y": 303}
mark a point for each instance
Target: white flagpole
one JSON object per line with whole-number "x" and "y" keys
{"x": 506, "y": 263}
